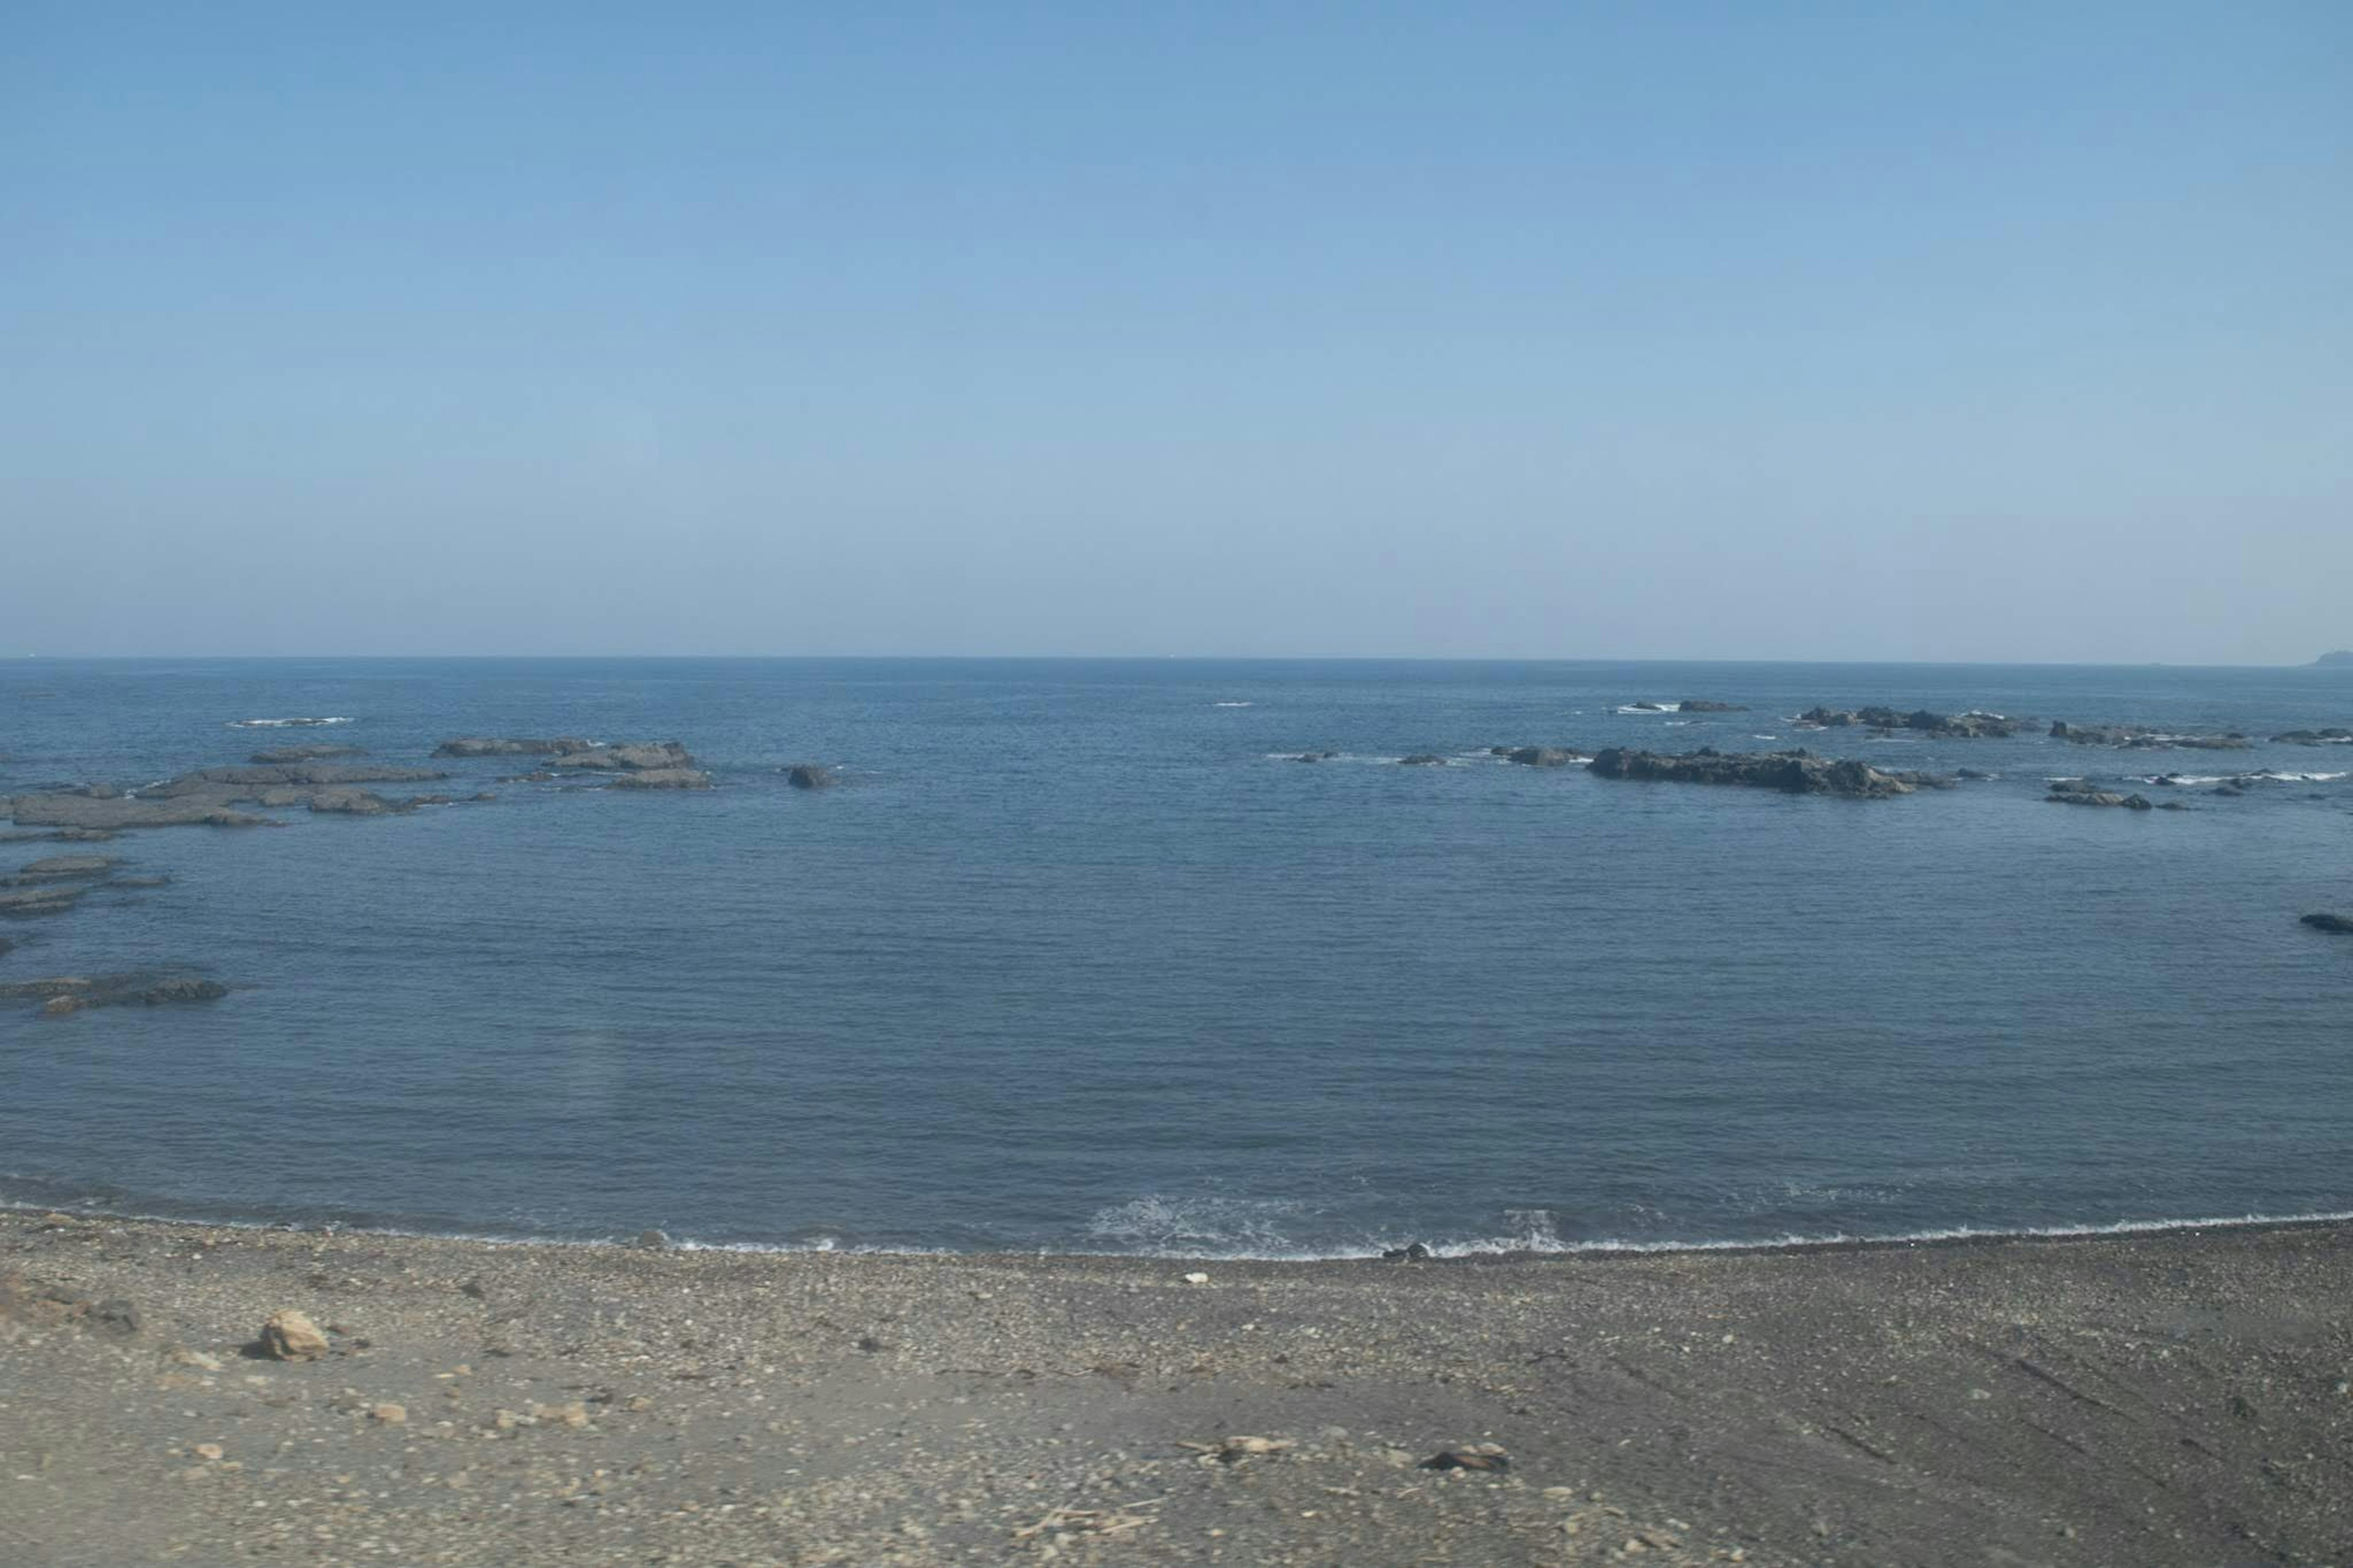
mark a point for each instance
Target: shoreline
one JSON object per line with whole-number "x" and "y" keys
{"x": 2166, "y": 1397}
{"x": 1442, "y": 1253}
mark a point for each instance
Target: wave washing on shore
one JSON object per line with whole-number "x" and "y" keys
{"x": 1032, "y": 939}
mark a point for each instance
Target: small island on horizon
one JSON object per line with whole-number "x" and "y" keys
{"x": 2343, "y": 656}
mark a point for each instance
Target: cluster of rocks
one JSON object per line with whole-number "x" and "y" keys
{"x": 1963, "y": 726}
{"x": 1704, "y": 705}
{"x": 2331, "y": 737}
{"x": 665, "y": 764}
{"x": 2084, "y": 792}
{"x": 2136, "y": 737}
{"x": 66, "y": 994}
{"x": 54, "y": 885}
{"x": 1537, "y": 756}
{"x": 1792, "y": 772}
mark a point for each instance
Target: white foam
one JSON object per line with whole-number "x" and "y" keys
{"x": 1653, "y": 708}
{"x": 1233, "y": 704}
{"x": 281, "y": 723}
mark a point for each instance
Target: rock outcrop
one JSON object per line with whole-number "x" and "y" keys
{"x": 2135, "y": 737}
{"x": 1423, "y": 760}
{"x": 1963, "y": 726}
{"x": 816, "y": 775}
{"x": 2082, "y": 791}
{"x": 1541, "y": 756}
{"x": 505, "y": 746}
{"x": 2315, "y": 738}
{"x": 663, "y": 778}
{"x": 2341, "y": 924}
{"x": 1792, "y": 772}
{"x": 78, "y": 810}
{"x": 1704, "y": 705}
{"x": 281, "y": 756}
{"x": 66, "y": 867}
{"x": 64, "y": 993}
{"x": 629, "y": 757}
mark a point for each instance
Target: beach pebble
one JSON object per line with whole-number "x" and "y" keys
{"x": 389, "y": 1415}
{"x": 290, "y": 1335}
{"x": 1197, "y": 1279}
{"x": 197, "y": 1359}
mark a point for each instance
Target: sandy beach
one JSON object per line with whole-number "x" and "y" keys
{"x": 2168, "y": 1398}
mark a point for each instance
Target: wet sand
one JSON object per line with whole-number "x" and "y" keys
{"x": 2159, "y": 1399}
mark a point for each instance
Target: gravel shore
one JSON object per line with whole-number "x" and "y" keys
{"x": 2159, "y": 1399}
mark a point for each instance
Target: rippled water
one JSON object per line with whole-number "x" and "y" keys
{"x": 1072, "y": 960}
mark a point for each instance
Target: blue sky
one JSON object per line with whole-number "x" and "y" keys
{"x": 1863, "y": 331}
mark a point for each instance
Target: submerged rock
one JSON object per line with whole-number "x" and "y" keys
{"x": 67, "y": 867}
{"x": 1965, "y": 726}
{"x": 2315, "y": 738}
{"x": 2341, "y": 924}
{"x": 503, "y": 746}
{"x": 810, "y": 775}
{"x": 1792, "y": 772}
{"x": 80, "y": 812}
{"x": 281, "y": 756}
{"x": 1704, "y": 705}
{"x": 1314, "y": 756}
{"x": 1541, "y": 756}
{"x": 663, "y": 778}
{"x": 2082, "y": 791}
{"x": 629, "y": 757}
{"x": 2136, "y": 737}
{"x": 64, "y": 993}
{"x": 54, "y": 900}
{"x": 1422, "y": 760}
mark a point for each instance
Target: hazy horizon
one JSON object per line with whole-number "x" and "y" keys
{"x": 1982, "y": 335}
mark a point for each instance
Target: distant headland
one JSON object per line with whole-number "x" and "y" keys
{"x": 2343, "y": 656}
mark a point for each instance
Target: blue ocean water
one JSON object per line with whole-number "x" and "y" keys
{"x": 1073, "y": 961}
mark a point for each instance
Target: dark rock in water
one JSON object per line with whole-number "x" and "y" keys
{"x": 1965, "y": 726}
{"x": 1973, "y": 775}
{"x": 1314, "y": 756}
{"x": 816, "y": 775}
{"x": 237, "y": 783}
{"x": 144, "y": 988}
{"x": 1422, "y": 760}
{"x": 1704, "y": 705}
{"x": 2341, "y": 924}
{"x": 140, "y": 882}
{"x": 2171, "y": 805}
{"x": 653, "y": 1240}
{"x": 1471, "y": 1456}
{"x": 1793, "y": 773}
{"x": 1413, "y": 1252}
{"x": 2135, "y": 737}
{"x": 2228, "y": 789}
{"x": 629, "y": 757}
{"x": 502, "y": 746}
{"x": 281, "y": 756}
{"x": 2082, "y": 791}
{"x": 82, "y": 812}
{"x": 353, "y": 803}
{"x": 2315, "y": 738}
{"x": 1647, "y": 706}
{"x": 18, "y": 903}
{"x": 663, "y": 778}
{"x": 6, "y": 945}
{"x": 1541, "y": 756}
{"x": 67, "y": 867}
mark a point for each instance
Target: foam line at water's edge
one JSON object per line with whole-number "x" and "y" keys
{"x": 1499, "y": 1248}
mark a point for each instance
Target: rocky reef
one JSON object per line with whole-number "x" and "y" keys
{"x": 2315, "y": 738}
{"x": 1965, "y": 726}
{"x": 1791, "y": 773}
{"x": 64, "y": 993}
{"x": 2135, "y": 737}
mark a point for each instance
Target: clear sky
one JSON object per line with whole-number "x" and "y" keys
{"x": 1843, "y": 331}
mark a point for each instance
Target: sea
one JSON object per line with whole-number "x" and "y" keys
{"x": 1075, "y": 958}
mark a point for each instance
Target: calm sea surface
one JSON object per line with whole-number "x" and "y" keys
{"x": 1072, "y": 960}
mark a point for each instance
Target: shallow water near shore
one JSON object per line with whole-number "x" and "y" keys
{"x": 1076, "y": 959}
